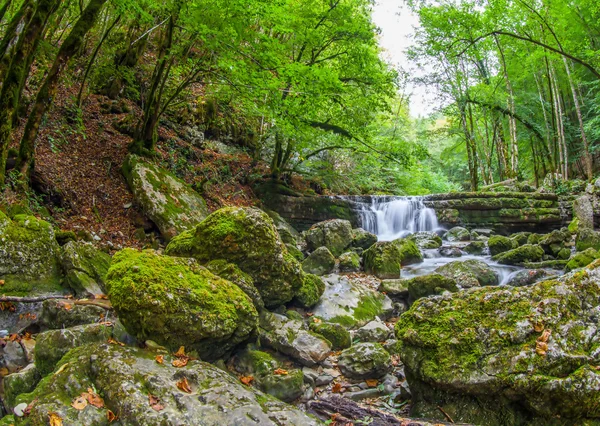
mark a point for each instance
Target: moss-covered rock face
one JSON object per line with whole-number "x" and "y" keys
{"x": 521, "y": 237}
{"x": 176, "y": 302}
{"x": 231, "y": 272}
{"x": 125, "y": 376}
{"x": 167, "y": 201}
{"x": 334, "y": 234}
{"x": 20, "y": 382}
{"x": 428, "y": 285}
{"x": 458, "y": 233}
{"x": 386, "y": 258}
{"x": 295, "y": 252}
{"x": 499, "y": 244}
{"x": 310, "y": 292}
{"x": 520, "y": 255}
{"x": 286, "y": 231}
{"x": 426, "y": 240}
{"x": 469, "y": 273}
{"x": 363, "y": 239}
{"x": 349, "y": 262}
{"x": 365, "y": 361}
{"x": 581, "y": 259}
{"x": 587, "y": 238}
{"x": 85, "y": 268}
{"x": 247, "y": 238}
{"x": 555, "y": 241}
{"x": 29, "y": 257}
{"x": 475, "y": 247}
{"x": 334, "y": 333}
{"x": 527, "y": 352}
{"x": 319, "y": 262}
{"x": 409, "y": 252}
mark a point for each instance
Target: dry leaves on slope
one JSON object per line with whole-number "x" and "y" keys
{"x": 90, "y": 397}
{"x": 280, "y": 372}
{"x": 184, "y": 385}
{"x": 155, "y": 403}
{"x": 247, "y": 380}
{"x": 55, "y": 419}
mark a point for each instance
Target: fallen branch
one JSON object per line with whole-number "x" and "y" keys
{"x": 347, "y": 411}
{"x": 446, "y": 414}
{"x": 16, "y": 299}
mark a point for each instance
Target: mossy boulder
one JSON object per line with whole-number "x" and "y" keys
{"x": 396, "y": 288}
{"x": 426, "y": 240}
{"x": 295, "y": 252}
{"x": 469, "y": 273}
{"x": 246, "y": 237}
{"x": 365, "y": 361}
{"x": 555, "y": 241}
{"x": 59, "y": 313}
{"x": 587, "y": 238}
{"x": 335, "y": 234}
{"x": 583, "y": 211}
{"x": 85, "y": 268}
{"x": 506, "y": 355}
{"x": 581, "y": 259}
{"x": 125, "y": 377}
{"x": 20, "y": 382}
{"x": 520, "y": 255}
{"x": 286, "y": 231}
{"x": 29, "y": 257}
{"x": 458, "y": 233}
{"x": 363, "y": 239}
{"x": 231, "y": 272}
{"x": 167, "y": 200}
{"x": 499, "y": 244}
{"x": 310, "y": 292}
{"x": 319, "y": 262}
{"x": 386, "y": 258}
{"x": 428, "y": 285}
{"x": 176, "y": 302}
{"x": 475, "y": 248}
{"x": 349, "y": 262}
{"x": 521, "y": 237}
{"x": 334, "y": 333}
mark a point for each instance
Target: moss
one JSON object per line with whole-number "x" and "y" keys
{"x": 574, "y": 226}
{"x": 587, "y": 238}
{"x": 368, "y": 308}
{"x": 409, "y": 252}
{"x": 349, "y": 262}
{"x": 232, "y": 273}
{"x": 310, "y": 292}
{"x": 345, "y": 320}
{"x": 581, "y": 259}
{"x": 525, "y": 253}
{"x": 334, "y": 333}
{"x": 295, "y": 252}
{"x": 428, "y": 285}
{"x": 383, "y": 260}
{"x": 469, "y": 273}
{"x": 319, "y": 262}
{"x": 499, "y": 244}
{"x": 63, "y": 237}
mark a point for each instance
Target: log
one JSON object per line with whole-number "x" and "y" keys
{"x": 347, "y": 411}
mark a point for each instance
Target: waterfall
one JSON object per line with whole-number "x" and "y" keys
{"x": 395, "y": 217}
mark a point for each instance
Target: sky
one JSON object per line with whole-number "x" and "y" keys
{"x": 398, "y": 24}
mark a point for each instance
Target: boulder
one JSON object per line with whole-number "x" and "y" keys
{"x": 475, "y": 248}
{"x": 295, "y": 252}
{"x": 520, "y": 255}
{"x": 458, "y": 233}
{"x": 587, "y": 238}
{"x": 336, "y": 334}
{"x": 176, "y": 302}
{"x": 374, "y": 331}
{"x": 555, "y": 241}
{"x": 15, "y": 384}
{"x": 428, "y": 285}
{"x": 319, "y": 262}
{"x": 365, "y": 361}
{"x": 396, "y": 289}
{"x": 506, "y": 355}
{"x": 247, "y": 238}
{"x": 231, "y": 272}
{"x": 386, "y": 258}
{"x": 499, "y": 244}
{"x": 581, "y": 259}
{"x": 85, "y": 268}
{"x": 60, "y": 313}
{"x": 583, "y": 212}
{"x": 310, "y": 292}
{"x": 286, "y": 231}
{"x": 142, "y": 391}
{"x": 449, "y": 251}
{"x": 469, "y": 273}
{"x": 168, "y": 201}
{"x": 335, "y": 234}
{"x": 426, "y": 240}
{"x": 521, "y": 238}
{"x": 363, "y": 239}
{"x": 29, "y": 257}
{"x": 527, "y": 277}
{"x": 349, "y": 262}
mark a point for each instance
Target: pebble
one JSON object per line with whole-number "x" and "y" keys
{"x": 323, "y": 380}
{"x": 363, "y": 394}
{"x": 19, "y": 409}
{"x": 3, "y": 333}
{"x": 308, "y": 394}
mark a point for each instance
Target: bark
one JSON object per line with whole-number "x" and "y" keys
{"x": 11, "y": 36}
{"x": 4, "y": 8}
{"x": 48, "y": 90}
{"x": 512, "y": 124}
{"x": 562, "y": 146}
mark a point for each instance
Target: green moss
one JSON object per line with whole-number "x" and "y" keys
{"x": 383, "y": 260}
{"x": 525, "y": 253}
{"x": 428, "y": 285}
{"x": 499, "y": 244}
{"x": 63, "y": 237}
{"x": 310, "y": 292}
{"x": 295, "y": 252}
{"x": 349, "y": 262}
{"x": 581, "y": 259}
{"x": 334, "y": 333}
{"x": 368, "y": 308}
{"x": 345, "y": 320}
{"x": 574, "y": 226}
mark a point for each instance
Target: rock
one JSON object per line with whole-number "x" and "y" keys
{"x": 583, "y": 211}
{"x": 499, "y": 244}
{"x": 365, "y": 361}
{"x": 291, "y": 338}
{"x": 587, "y": 238}
{"x": 555, "y": 241}
{"x": 426, "y": 240}
{"x": 335, "y": 234}
{"x": 469, "y": 273}
{"x": 428, "y": 285}
{"x": 286, "y": 231}
{"x": 483, "y": 232}
{"x": 247, "y": 238}
{"x": 310, "y": 292}
{"x": 475, "y": 248}
{"x": 12, "y": 357}
{"x": 176, "y": 302}
{"x": 363, "y": 394}
{"x": 350, "y": 303}
{"x": 386, "y": 258}
{"x": 295, "y": 252}
{"x": 520, "y": 238}
{"x": 506, "y": 355}
{"x": 85, "y": 268}
{"x": 319, "y": 262}
{"x": 574, "y": 226}
{"x": 336, "y": 334}
{"x": 550, "y": 264}
{"x": 52, "y": 345}
{"x": 396, "y": 289}
{"x": 581, "y": 259}
{"x": 457, "y": 233}
{"x": 125, "y": 377}
{"x": 374, "y": 331}
{"x": 363, "y": 239}
{"x": 449, "y": 251}
{"x": 262, "y": 366}
{"x": 167, "y": 200}
{"x": 15, "y": 384}
{"x": 29, "y": 257}
{"x": 526, "y": 253}
{"x": 349, "y": 262}
{"x": 231, "y": 272}
{"x": 527, "y": 277}
{"x": 58, "y": 313}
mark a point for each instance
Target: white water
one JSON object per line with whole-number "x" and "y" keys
{"x": 392, "y": 218}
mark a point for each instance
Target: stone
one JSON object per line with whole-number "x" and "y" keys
{"x": 583, "y": 211}
{"x": 525, "y": 253}
{"x": 17, "y": 383}
{"x": 85, "y": 268}
{"x": 396, "y": 289}
{"x": 295, "y": 252}
{"x": 232, "y": 273}
{"x": 449, "y": 251}
{"x": 363, "y": 239}
{"x": 555, "y": 241}
{"x": 286, "y": 231}
{"x": 168, "y": 201}
{"x": 520, "y": 238}
{"x": 336, "y": 334}
{"x": 426, "y": 240}
{"x": 374, "y": 331}
{"x": 349, "y": 262}
{"x": 365, "y": 361}
{"x": 458, "y": 233}
{"x": 475, "y": 248}
{"x": 291, "y": 338}
{"x": 13, "y": 357}
{"x": 335, "y": 234}
{"x": 506, "y": 355}
{"x": 126, "y": 376}
{"x": 319, "y": 262}
{"x": 386, "y": 258}
{"x": 581, "y": 259}
{"x": 176, "y": 302}
{"x": 59, "y": 313}
{"x": 246, "y": 237}
{"x": 527, "y": 277}
{"x": 587, "y": 238}
{"x": 310, "y": 292}
{"x": 499, "y": 244}
{"x": 469, "y": 273}
{"x": 428, "y": 285}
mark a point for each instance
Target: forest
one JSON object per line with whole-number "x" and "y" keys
{"x": 254, "y": 212}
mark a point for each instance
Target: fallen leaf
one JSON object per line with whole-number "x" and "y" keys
{"x": 14, "y": 337}
{"x": 541, "y": 348}
{"x": 247, "y": 380}
{"x": 27, "y": 409}
{"x": 337, "y": 388}
{"x": 1, "y": 282}
{"x": 155, "y": 403}
{"x": 280, "y": 372}
{"x": 55, "y": 419}
{"x": 111, "y": 417}
{"x": 160, "y": 359}
{"x": 180, "y": 362}
{"x": 545, "y": 336}
{"x": 67, "y": 306}
{"x": 180, "y": 353}
{"x": 94, "y": 399}
{"x": 115, "y": 342}
{"x": 184, "y": 385}
{"x": 372, "y": 383}
{"x": 538, "y": 327}
{"x": 79, "y": 403}
{"x": 27, "y": 336}
{"x": 316, "y": 320}
{"x": 3, "y": 372}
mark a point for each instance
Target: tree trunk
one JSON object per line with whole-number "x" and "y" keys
{"x": 562, "y": 145}
{"x": 4, "y": 8}
{"x": 512, "y": 123}
{"x": 11, "y": 36}
{"x": 48, "y": 90}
